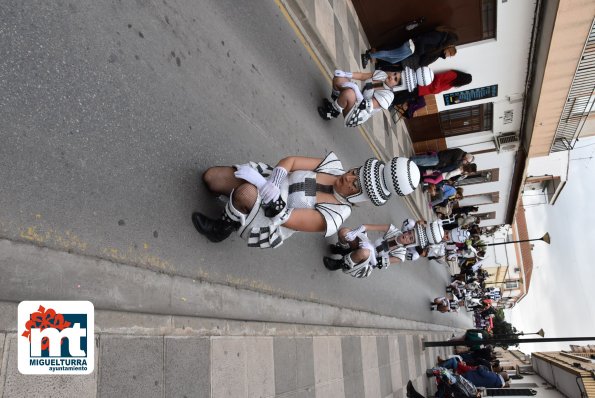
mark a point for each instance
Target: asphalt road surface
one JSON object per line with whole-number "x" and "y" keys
{"x": 110, "y": 112}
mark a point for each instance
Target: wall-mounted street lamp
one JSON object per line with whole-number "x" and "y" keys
{"x": 504, "y": 341}
{"x": 545, "y": 238}
{"x": 540, "y": 332}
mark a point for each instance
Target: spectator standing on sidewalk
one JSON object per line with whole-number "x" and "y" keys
{"x": 442, "y": 81}
{"x": 422, "y": 50}
{"x": 443, "y": 161}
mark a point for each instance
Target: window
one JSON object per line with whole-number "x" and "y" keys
{"x": 582, "y": 105}
{"x": 481, "y": 176}
{"x": 488, "y": 19}
{"x": 466, "y": 120}
{"x": 525, "y": 385}
{"x": 512, "y": 284}
{"x": 486, "y": 216}
{"x": 481, "y": 199}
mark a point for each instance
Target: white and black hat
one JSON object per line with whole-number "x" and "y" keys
{"x": 429, "y": 234}
{"x": 421, "y": 236}
{"x": 435, "y": 232}
{"x": 379, "y": 182}
{"x": 401, "y": 176}
{"x": 419, "y": 77}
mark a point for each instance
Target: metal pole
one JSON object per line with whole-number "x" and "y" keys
{"x": 506, "y": 341}
{"x": 512, "y": 241}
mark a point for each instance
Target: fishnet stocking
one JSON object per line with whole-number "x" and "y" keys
{"x": 220, "y": 180}
{"x": 244, "y": 197}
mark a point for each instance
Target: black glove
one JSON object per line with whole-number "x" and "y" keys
{"x": 273, "y": 208}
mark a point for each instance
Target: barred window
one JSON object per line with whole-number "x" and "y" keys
{"x": 482, "y": 176}
{"x": 488, "y": 19}
{"x": 471, "y": 119}
{"x": 486, "y": 216}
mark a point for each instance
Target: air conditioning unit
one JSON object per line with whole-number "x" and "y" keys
{"x": 508, "y": 142}
{"x": 514, "y": 98}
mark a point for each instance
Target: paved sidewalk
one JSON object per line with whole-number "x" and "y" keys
{"x": 331, "y": 30}
{"x": 202, "y": 348}
{"x": 142, "y": 355}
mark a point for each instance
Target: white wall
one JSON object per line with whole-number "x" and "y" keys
{"x": 501, "y": 61}
{"x": 542, "y": 390}
{"x": 565, "y": 382}
{"x": 492, "y": 160}
{"x": 555, "y": 164}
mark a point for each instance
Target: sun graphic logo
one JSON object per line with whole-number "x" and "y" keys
{"x": 56, "y": 337}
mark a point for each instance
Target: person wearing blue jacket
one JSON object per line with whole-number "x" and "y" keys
{"x": 483, "y": 377}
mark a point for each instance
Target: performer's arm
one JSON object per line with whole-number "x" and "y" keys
{"x": 306, "y": 220}
{"x": 292, "y": 163}
{"x": 377, "y": 227}
{"x": 362, "y": 75}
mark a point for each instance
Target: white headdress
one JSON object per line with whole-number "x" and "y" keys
{"x": 429, "y": 234}
{"x": 419, "y": 77}
{"x": 378, "y": 182}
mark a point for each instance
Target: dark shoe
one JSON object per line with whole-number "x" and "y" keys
{"x": 430, "y": 372}
{"x": 327, "y": 111}
{"x": 411, "y": 393}
{"x": 332, "y": 264}
{"x": 365, "y": 59}
{"x": 336, "y": 249}
{"x": 214, "y": 230}
{"x": 323, "y": 113}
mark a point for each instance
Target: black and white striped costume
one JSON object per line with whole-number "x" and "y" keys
{"x": 363, "y": 110}
{"x": 299, "y": 192}
{"x": 386, "y": 247}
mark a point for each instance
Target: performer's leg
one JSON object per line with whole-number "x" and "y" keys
{"x": 343, "y": 247}
{"x": 345, "y": 102}
{"x": 241, "y": 202}
{"x": 221, "y": 180}
{"x": 244, "y": 197}
{"x": 348, "y": 261}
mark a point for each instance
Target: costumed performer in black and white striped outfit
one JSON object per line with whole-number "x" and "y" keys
{"x": 267, "y": 205}
{"x": 356, "y": 105}
{"x": 360, "y": 255}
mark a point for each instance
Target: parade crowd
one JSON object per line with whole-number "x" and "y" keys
{"x": 266, "y": 204}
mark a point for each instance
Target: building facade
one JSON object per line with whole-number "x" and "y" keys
{"x": 532, "y": 93}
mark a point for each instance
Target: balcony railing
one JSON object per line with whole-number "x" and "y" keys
{"x": 580, "y": 100}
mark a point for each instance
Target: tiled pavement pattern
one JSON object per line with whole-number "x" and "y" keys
{"x": 239, "y": 366}
{"x": 331, "y": 29}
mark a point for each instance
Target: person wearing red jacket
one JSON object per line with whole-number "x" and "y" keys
{"x": 442, "y": 81}
{"x": 445, "y": 81}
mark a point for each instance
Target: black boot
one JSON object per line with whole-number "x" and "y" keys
{"x": 332, "y": 264}
{"x": 214, "y": 230}
{"x": 411, "y": 393}
{"x": 337, "y": 249}
{"x": 327, "y": 111}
